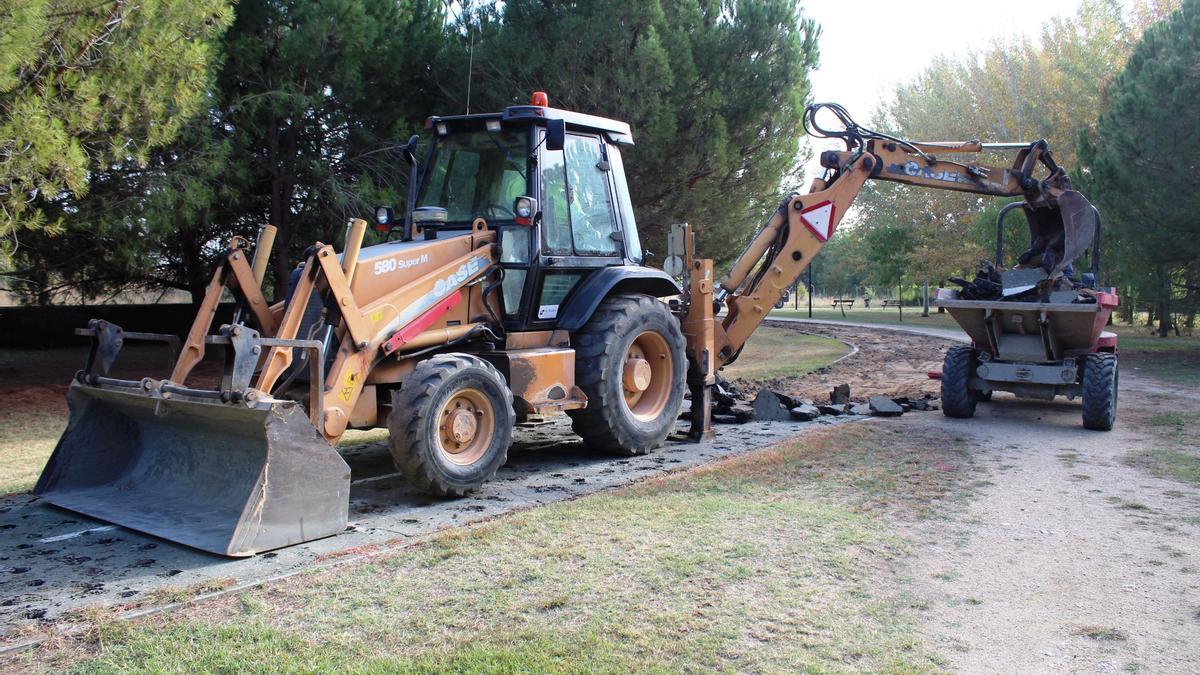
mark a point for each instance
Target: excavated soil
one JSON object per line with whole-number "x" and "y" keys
{"x": 887, "y": 363}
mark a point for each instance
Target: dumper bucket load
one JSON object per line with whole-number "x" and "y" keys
{"x": 232, "y": 479}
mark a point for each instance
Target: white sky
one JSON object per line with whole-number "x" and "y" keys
{"x": 869, "y": 46}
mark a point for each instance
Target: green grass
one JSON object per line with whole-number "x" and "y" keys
{"x": 781, "y": 561}
{"x": 1175, "y": 360}
{"x": 912, "y": 316}
{"x": 28, "y": 440}
{"x": 1103, "y": 633}
{"x": 1174, "y": 448}
{"x": 776, "y": 352}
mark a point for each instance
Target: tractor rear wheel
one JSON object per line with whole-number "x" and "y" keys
{"x": 958, "y": 399}
{"x": 629, "y": 361}
{"x": 451, "y": 424}
{"x": 1100, "y": 377}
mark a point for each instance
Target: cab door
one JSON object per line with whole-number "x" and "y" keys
{"x": 579, "y": 226}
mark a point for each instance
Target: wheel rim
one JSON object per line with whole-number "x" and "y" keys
{"x": 646, "y": 376}
{"x": 466, "y": 424}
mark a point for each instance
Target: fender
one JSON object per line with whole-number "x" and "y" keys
{"x": 588, "y": 295}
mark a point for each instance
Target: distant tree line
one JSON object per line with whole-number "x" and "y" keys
{"x": 142, "y": 136}
{"x": 1115, "y": 89}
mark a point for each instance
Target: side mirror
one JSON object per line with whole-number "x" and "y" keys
{"x": 410, "y": 149}
{"x": 524, "y": 209}
{"x": 384, "y": 215}
{"x": 556, "y": 134}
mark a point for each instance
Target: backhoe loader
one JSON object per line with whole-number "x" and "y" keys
{"x": 512, "y": 285}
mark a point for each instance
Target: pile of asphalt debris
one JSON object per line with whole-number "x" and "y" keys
{"x": 730, "y": 405}
{"x": 1027, "y": 284}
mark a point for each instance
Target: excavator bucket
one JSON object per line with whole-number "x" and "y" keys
{"x": 1060, "y": 234}
{"x": 232, "y": 479}
{"x": 1079, "y": 225}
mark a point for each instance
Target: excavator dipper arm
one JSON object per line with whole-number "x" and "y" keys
{"x": 802, "y": 224}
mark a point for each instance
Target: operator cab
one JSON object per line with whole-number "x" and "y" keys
{"x": 549, "y": 181}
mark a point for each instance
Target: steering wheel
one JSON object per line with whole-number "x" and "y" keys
{"x": 494, "y": 210}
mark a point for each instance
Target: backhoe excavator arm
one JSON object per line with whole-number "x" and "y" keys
{"x": 797, "y": 230}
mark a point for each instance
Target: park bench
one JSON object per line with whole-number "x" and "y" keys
{"x": 897, "y": 304}
{"x": 842, "y": 304}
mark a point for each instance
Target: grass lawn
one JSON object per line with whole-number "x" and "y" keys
{"x": 29, "y": 438}
{"x": 912, "y": 316}
{"x": 782, "y": 352}
{"x": 1174, "y": 447}
{"x": 1175, "y": 360}
{"x": 781, "y": 561}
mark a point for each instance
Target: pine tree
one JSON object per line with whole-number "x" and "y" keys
{"x": 85, "y": 85}
{"x": 1141, "y": 161}
{"x": 714, "y": 92}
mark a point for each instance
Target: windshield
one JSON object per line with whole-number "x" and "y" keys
{"x": 476, "y": 174}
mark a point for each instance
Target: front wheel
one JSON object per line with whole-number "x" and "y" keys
{"x": 451, "y": 424}
{"x": 958, "y": 399}
{"x": 629, "y": 361}
{"x": 1100, "y": 377}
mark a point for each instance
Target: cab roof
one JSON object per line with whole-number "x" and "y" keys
{"x": 617, "y": 132}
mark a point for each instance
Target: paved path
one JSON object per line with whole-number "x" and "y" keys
{"x": 946, "y": 333}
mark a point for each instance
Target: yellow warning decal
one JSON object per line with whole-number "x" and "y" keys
{"x": 377, "y": 316}
{"x": 348, "y": 385}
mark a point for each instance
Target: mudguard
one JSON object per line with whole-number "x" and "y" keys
{"x": 588, "y": 295}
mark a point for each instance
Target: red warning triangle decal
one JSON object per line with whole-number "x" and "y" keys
{"x": 819, "y": 219}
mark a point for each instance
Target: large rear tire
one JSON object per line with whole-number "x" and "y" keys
{"x": 451, "y": 424}
{"x": 629, "y": 361}
{"x": 1100, "y": 376}
{"x": 958, "y": 399}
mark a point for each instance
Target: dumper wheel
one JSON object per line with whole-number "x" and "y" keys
{"x": 629, "y": 360}
{"x": 1100, "y": 377}
{"x": 958, "y": 399}
{"x": 451, "y": 424}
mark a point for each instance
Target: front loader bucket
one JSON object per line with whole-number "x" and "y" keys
{"x": 225, "y": 478}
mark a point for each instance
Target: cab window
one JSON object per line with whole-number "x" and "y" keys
{"x": 577, "y": 214}
{"x": 476, "y": 174}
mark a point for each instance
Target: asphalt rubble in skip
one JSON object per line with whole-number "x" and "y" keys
{"x": 733, "y": 406}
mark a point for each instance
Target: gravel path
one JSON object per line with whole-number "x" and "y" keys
{"x": 1071, "y": 557}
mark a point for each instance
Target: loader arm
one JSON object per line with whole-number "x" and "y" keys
{"x": 781, "y": 250}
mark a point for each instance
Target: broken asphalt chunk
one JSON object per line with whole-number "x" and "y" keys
{"x": 768, "y": 407}
{"x": 883, "y": 406}
{"x": 805, "y": 413}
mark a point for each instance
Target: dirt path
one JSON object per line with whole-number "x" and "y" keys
{"x": 1073, "y": 557}
{"x": 888, "y": 363}
{"x": 1069, "y": 555}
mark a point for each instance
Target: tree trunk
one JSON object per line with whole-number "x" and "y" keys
{"x": 1164, "y": 312}
{"x": 925, "y": 299}
{"x": 1189, "y": 300}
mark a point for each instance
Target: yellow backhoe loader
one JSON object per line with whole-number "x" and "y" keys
{"x": 513, "y": 285}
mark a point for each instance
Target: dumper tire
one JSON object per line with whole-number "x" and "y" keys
{"x": 958, "y": 399}
{"x": 1100, "y": 378}
{"x": 429, "y": 409}
{"x": 626, "y": 329}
